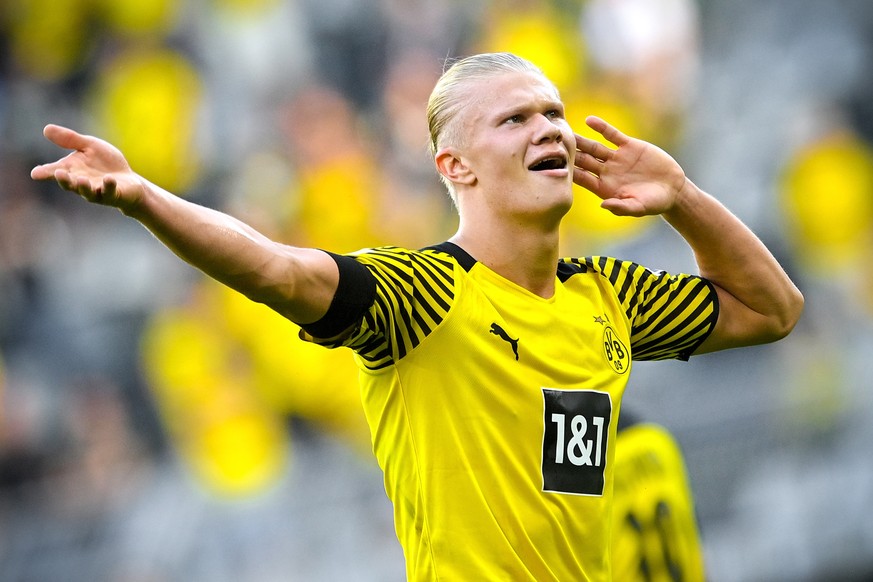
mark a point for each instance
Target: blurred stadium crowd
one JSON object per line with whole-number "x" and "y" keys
{"x": 156, "y": 427}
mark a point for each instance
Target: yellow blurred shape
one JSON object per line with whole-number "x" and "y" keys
{"x": 245, "y": 7}
{"x": 295, "y": 377}
{"x": 184, "y": 359}
{"x": 138, "y": 17}
{"x": 241, "y": 454}
{"x": 47, "y": 37}
{"x": 827, "y": 192}
{"x": 538, "y": 33}
{"x": 146, "y": 103}
{"x": 234, "y": 444}
{"x": 337, "y": 199}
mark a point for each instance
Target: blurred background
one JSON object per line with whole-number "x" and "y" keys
{"x": 155, "y": 427}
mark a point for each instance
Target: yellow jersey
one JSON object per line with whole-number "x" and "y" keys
{"x": 655, "y": 534}
{"x": 493, "y": 411}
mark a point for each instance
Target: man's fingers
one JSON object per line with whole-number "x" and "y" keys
{"x": 83, "y": 188}
{"x": 108, "y": 192}
{"x": 63, "y": 178}
{"x": 587, "y": 180}
{"x": 65, "y": 137}
{"x": 43, "y": 172}
{"x": 588, "y": 163}
{"x": 592, "y": 148}
{"x": 62, "y": 137}
{"x": 77, "y": 184}
{"x": 611, "y": 134}
{"x": 584, "y": 179}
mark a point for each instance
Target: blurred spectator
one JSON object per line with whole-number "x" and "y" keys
{"x": 231, "y": 440}
{"x": 337, "y": 174}
{"x": 45, "y": 37}
{"x": 148, "y": 100}
{"x": 655, "y": 535}
{"x": 827, "y": 195}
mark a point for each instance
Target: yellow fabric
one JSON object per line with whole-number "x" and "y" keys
{"x": 468, "y": 378}
{"x": 655, "y": 534}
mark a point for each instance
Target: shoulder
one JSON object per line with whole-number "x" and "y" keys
{"x": 601, "y": 265}
{"x": 414, "y": 290}
{"x": 621, "y": 274}
{"x": 400, "y": 257}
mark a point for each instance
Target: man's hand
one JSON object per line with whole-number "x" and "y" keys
{"x": 97, "y": 171}
{"x": 636, "y": 179}
{"x": 758, "y": 303}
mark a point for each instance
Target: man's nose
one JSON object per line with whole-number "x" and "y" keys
{"x": 547, "y": 130}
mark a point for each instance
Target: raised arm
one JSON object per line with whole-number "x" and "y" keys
{"x": 758, "y": 302}
{"x": 296, "y": 282}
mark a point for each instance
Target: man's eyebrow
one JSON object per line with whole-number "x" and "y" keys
{"x": 539, "y": 105}
{"x": 554, "y": 103}
{"x": 505, "y": 112}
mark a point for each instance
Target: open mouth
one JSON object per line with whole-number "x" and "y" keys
{"x": 549, "y": 163}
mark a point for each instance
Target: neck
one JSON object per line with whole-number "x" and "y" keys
{"x": 527, "y": 257}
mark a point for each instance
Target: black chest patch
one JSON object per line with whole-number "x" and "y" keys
{"x": 575, "y": 440}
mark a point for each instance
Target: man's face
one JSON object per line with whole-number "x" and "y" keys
{"x": 519, "y": 146}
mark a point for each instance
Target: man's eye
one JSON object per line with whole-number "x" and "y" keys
{"x": 515, "y": 119}
{"x": 553, "y": 114}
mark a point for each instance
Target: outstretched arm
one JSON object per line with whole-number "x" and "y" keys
{"x": 298, "y": 283}
{"x": 758, "y": 302}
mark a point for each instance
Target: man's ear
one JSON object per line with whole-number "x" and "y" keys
{"x": 449, "y": 164}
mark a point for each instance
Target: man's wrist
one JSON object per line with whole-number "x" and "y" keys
{"x": 137, "y": 207}
{"x": 686, "y": 200}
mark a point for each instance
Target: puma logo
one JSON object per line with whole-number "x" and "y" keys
{"x": 499, "y": 332}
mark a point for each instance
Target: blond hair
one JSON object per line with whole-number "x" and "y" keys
{"x": 445, "y": 100}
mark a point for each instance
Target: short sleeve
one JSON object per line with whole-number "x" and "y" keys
{"x": 355, "y": 293}
{"x": 670, "y": 315}
{"x": 406, "y": 294}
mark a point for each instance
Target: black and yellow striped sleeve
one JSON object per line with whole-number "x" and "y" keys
{"x": 670, "y": 315}
{"x": 414, "y": 292}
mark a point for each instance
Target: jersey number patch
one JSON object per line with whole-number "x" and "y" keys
{"x": 575, "y": 440}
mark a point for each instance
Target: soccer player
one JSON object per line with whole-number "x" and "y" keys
{"x": 491, "y": 371}
{"x": 655, "y": 534}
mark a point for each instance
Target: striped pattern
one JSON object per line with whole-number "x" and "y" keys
{"x": 414, "y": 292}
{"x": 670, "y": 314}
